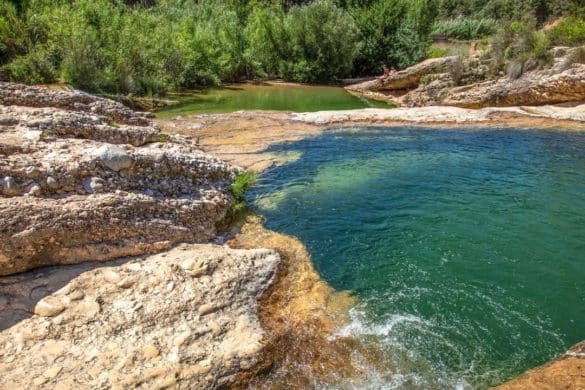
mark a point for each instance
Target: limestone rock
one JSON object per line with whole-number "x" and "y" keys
{"x": 564, "y": 372}
{"x": 113, "y": 157}
{"x": 533, "y": 88}
{"x": 76, "y": 188}
{"x": 21, "y": 95}
{"x": 147, "y": 335}
{"x": 407, "y": 78}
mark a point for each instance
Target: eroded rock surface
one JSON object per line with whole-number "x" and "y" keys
{"x": 407, "y": 78}
{"x": 565, "y": 372}
{"x": 30, "y": 96}
{"x": 185, "y": 317}
{"x": 77, "y": 186}
{"x": 466, "y": 83}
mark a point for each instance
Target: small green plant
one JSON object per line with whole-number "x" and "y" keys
{"x": 438, "y": 52}
{"x": 238, "y": 188}
{"x": 162, "y": 138}
{"x": 426, "y": 79}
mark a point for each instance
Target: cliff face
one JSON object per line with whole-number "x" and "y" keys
{"x": 84, "y": 180}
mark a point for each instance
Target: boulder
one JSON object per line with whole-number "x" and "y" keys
{"x": 143, "y": 322}
{"x": 406, "y": 79}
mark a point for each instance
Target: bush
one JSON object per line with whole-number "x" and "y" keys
{"x": 393, "y": 33}
{"x": 321, "y": 43}
{"x": 33, "y": 68}
{"x": 569, "y": 32}
{"x": 519, "y": 47}
{"x": 464, "y": 28}
{"x": 239, "y": 187}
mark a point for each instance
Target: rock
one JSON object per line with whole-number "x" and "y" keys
{"x": 52, "y": 183}
{"x": 88, "y": 198}
{"x": 146, "y": 336}
{"x": 49, "y": 307}
{"x": 94, "y": 185}
{"x": 30, "y": 96}
{"x": 113, "y": 157}
{"x": 407, "y": 78}
{"x": 533, "y": 88}
{"x": 35, "y": 190}
{"x": 524, "y": 85}
{"x": 564, "y": 372}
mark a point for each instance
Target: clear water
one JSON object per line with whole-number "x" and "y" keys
{"x": 279, "y": 97}
{"x": 465, "y": 248}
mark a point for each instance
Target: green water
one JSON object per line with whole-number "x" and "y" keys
{"x": 279, "y": 97}
{"x": 465, "y": 248}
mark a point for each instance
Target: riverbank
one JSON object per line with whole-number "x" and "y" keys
{"x": 245, "y": 138}
{"x": 95, "y": 166}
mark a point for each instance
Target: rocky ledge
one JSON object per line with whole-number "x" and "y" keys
{"x": 84, "y": 180}
{"x": 77, "y": 186}
{"x": 466, "y": 83}
{"x": 186, "y": 316}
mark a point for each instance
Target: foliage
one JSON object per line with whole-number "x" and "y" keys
{"x": 540, "y": 10}
{"x": 393, "y": 33}
{"x": 241, "y": 184}
{"x": 568, "y": 32}
{"x": 145, "y": 47}
{"x": 321, "y": 43}
{"x": 437, "y": 52}
{"x": 239, "y": 187}
{"x": 464, "y": 28}
{"x": 518, "y": 47}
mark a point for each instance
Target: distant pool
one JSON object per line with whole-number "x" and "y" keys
{"x": 465, "y": 248}
{"x": 273, "y": 96}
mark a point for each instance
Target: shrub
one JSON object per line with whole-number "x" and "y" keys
{"x": 569, "y": 32}
{"x": 33, "y": 68}
{"x": 517, "y": 45}
{"x": 321, "y": 43}
{"x": 464, "y": 28}
{"x": 393, "y": 33}
{"x": 239, "y": 187}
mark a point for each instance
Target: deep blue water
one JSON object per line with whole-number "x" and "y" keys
{"x": 465, "y": 248}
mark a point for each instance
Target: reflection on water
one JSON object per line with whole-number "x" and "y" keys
{"x": 279, "y": 97}
{"x": 464, "y": 248}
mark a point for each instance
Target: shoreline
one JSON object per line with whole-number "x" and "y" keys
{"x": 280, "y": 326}
{"x": 245, "y": 139}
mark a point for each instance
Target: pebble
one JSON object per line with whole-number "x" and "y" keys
{"x": 49, "y": 307}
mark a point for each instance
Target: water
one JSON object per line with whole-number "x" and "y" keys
{"x": 280, "y": 97}
{"x": 465, "y": 248}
